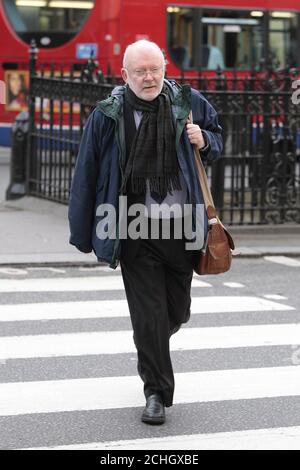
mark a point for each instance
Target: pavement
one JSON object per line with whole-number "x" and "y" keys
{"x": 34, "y": 231}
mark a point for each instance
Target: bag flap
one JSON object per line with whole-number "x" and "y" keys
{"x": 218, "y": 238}
{"x": 230, "y": 239}
{"x": 228, "y": 235}
{"x": 218, "y": 251}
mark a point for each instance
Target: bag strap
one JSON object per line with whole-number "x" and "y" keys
{"x": 207, "y": 196}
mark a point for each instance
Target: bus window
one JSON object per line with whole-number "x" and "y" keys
{"x": 237, "y": 36}
{"x": 213, "y": 38}
{"x": 283, "y": 38}
{"x": 50, "y": 23}
{"x": 180, "y": 36}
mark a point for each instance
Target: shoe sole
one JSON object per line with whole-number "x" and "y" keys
{"x": 153, "y": 420}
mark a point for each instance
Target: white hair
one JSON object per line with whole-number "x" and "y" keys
{"x": 141, "y": 44}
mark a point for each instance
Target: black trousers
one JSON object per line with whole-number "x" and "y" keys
{"x": 157, "y": 283}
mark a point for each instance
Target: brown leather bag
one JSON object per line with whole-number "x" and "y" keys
{"x": 216, "y": 256}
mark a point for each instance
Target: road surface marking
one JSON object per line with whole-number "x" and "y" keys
{"x": 121, "y": 342}
{"x": 287, "y": 438}
{"x": 71, "y": 284}
{"x": 275, "y": 297}
{"x": 123, "y": 392}
{"x": 233, "y": 285}
{"x": 283, "y": 260}
{"x": 119, "y": 308}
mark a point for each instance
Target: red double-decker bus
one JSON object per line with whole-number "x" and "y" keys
{"x": 195, "y": 35}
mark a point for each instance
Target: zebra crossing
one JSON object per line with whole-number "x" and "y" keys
{"x": 68, "y": 375}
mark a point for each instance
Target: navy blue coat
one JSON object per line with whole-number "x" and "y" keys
{"x": 101, "y": 162}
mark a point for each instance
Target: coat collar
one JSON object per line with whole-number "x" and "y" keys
{"x": 180, "y": 96}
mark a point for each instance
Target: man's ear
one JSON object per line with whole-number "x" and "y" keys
{"x": 124, "y": 74}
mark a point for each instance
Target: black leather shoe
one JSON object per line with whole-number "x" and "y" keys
{"x": 154, "y": 413}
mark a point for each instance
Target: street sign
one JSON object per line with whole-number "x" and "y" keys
{"x": 87, "y": 51}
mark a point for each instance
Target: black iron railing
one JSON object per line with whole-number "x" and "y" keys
{"x": 257, "y": 178}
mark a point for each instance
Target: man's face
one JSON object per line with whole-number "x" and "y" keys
{"x": 145, "y": 73}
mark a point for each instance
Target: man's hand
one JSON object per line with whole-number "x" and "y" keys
{"x": 195, "y": 135}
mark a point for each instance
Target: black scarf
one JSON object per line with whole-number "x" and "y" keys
{"x": 152, "y": 152}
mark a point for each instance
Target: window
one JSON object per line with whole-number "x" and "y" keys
{"x": 234, "y": 36}
{"x": 180, "y": 32}
{"x": 211, "y": 38}
{"x": 283, "y": 38}
{"x": 51, "y": 23}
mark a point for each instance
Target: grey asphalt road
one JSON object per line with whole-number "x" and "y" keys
{"x": 257, "y": 278}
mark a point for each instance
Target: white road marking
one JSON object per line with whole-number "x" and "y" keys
{"x": 52, "y": 270}
{"x": 233, "y": 284}
{"x": 120, "y": 342}
{"x": 104, "y": 269}
{"x": 287, "y": 438}
{"x": 197, "y": 283}
{"x": 71, "y": 284}
{"x": 123, "y": 392}
{"x": 13, "y": 272}
{"x": 119, "y": 308}
{"x": 64, "y": 310}
{"x": 275, "y": 297}
{"x": 283, "y": 260}
{"x": 62, "y": 284}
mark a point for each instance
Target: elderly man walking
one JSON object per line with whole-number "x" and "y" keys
{"x": 137, "y": 144}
